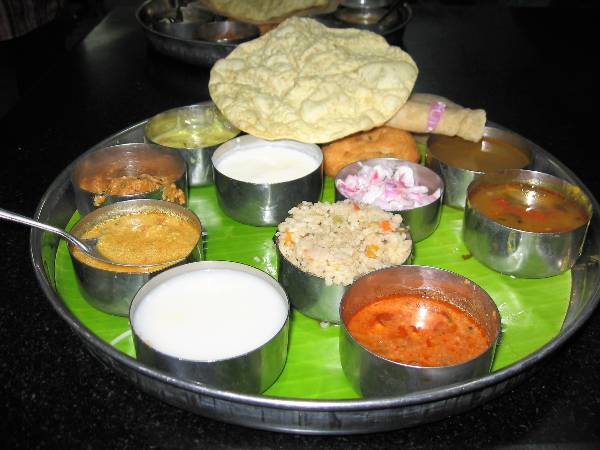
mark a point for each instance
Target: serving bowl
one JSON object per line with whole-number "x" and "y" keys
{"x": 459, "y": 162}
{"x": 421, "y": 220}
{"x": 195, "y": 132}
{"x": 247, "y": 194}
{"x": 514, "y": 250}
{"x": 323, "y": 248}
{"x": 121, "y": 172}
{"x": 227, "y": 31}
{"x": 111, "y": 288}
{"x": 227, "y": 326}
{"x": 372, "y": 374}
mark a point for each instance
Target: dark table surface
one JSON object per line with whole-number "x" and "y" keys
{"x": 533, "y": 70}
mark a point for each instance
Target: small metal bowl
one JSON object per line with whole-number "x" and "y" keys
{"x": 523, "y": 253}
{"x": 227, "y": 31}
{"x": 457, "y": 179}
{"x": 421, "y": 221}
{"x": 375, "y": 376}
{"x": 112, "y": 288}
{"x": 252, "y": 372}
{"x": 308, "y": 293}
{"x": 264, "y": 204}
{"x": 128, "y": 160}
{"x": 194, "y": 121}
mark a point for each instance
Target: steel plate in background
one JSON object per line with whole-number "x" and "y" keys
{"x": 181, "y": 45}
{"x": 311, "y": 416}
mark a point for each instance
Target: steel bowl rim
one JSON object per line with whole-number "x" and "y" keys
{"x": 400, "y": 162}
{"x": 172, "y": 152}
{"x": 493, "y": 340}
{"x": 188, "y": 267}
{"x": 493, "y": 223}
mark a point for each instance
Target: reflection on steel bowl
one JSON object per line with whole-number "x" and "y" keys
{"x": 411, "y": 328}
{"x": 194, "y": 131}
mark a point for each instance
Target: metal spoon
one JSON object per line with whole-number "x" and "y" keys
{"x": 85, "y": 245}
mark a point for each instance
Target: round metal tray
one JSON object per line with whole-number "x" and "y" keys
{"x": 206, "y": 53}
{"x": 312, "y": 416}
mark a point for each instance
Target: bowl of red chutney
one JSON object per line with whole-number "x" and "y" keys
{"x": 412, "y": 328}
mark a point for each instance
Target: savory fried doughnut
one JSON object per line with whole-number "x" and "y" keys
{"x": 380, "y": 142}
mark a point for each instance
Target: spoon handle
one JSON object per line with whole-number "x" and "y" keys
{"x": 14, "y": 217}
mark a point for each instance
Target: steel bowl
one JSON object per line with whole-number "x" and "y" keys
{"x": 265, "y": 203}
{"x": 227, "y": 31}
{"x": 421, "y": 221}
{"x": 252, "y": 372}
{"x": 523, "y": 253}
{"x": 112, "y": 288}
{"x": 308, "y": 293}
{"x": 457, "y": 179}
{"x": 372, "y": 375}
{"x": 195, "y": 121}
{"x": 132, "y": 159}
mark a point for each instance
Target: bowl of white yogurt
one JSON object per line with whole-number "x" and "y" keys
{"x": 218, "y": 323}
{"x": 259, "y": 181}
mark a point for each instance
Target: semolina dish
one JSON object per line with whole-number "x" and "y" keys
{"x": 342, "y": 241}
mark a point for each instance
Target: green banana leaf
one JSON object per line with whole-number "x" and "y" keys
{"x": 532, "y": 310}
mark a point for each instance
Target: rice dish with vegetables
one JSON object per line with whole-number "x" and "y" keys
{"x": 342, "y": 241}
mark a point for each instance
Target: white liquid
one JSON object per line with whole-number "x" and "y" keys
{"x": 266, "y": 164}
{"x": 209, "y": 315}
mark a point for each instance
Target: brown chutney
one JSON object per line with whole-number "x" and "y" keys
{"x": 151, "y": 240}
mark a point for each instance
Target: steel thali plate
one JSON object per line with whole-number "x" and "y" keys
{"x": 304, "y": 415}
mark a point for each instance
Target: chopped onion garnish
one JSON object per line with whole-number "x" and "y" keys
{"x": 390, "y": 189}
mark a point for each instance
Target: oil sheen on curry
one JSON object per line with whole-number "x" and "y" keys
{"x": 149, "y": 238}
{"x": 529, "y": 208}
{"x": 418, "y": 329}
{"x": 487, "y": 155}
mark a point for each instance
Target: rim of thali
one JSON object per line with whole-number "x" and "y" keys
{"x": 290, "y": 403}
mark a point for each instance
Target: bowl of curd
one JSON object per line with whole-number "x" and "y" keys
{"x": 219, "y": 323}
{"x": 259, "y": 181}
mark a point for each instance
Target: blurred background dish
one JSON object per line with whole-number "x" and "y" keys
{"x": 196, "y": 36}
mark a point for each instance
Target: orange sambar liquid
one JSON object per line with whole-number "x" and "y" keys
{"x": 418, "y": 330}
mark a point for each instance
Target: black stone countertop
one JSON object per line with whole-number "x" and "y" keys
{"x": 533, "y": 70}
